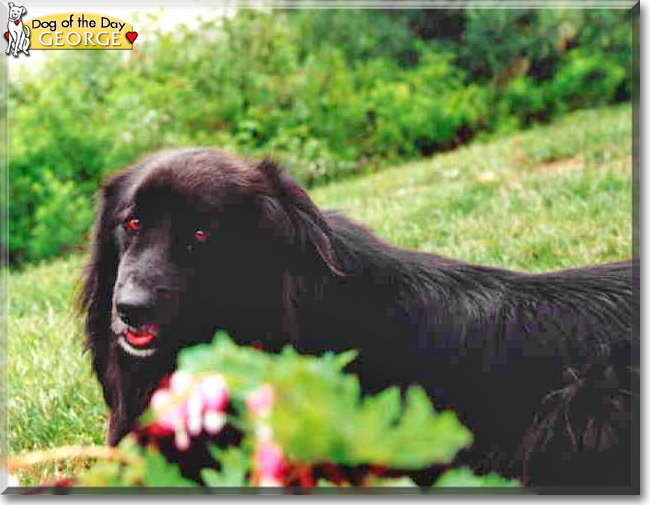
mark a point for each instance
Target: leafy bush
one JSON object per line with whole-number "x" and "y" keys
{"x": 61, "y": 218}
{"x": 426, "y": 110}
{"x": 588, "y": 78}
{"x": 331, "y": 93}
{"x": 79, "y": 131}
{"x": 525, "y": 102}
{"x": 234, "y": 416}
{"x": 503, "y": 43}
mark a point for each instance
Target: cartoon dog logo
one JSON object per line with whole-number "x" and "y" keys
{"x": 18, "y": 34}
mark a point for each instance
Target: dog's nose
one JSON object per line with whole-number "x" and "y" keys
{"x": 135, "y": 306}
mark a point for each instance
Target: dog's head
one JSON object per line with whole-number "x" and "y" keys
{"x": 16, "y": 12}
{"x": 189, "y": 241}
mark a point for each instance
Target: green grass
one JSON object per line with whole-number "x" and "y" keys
{"x": 53, "y": 399}
{"x": 552, "y": 197}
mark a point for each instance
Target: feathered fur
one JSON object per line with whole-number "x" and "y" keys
{"x": 542, "y": 368}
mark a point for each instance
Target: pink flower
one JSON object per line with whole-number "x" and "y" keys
{"x": 168, "y": 415}
{"x": 188, "y": 406}
{"x": 214, "y": 392}
{"x": 194, "y": 411}
{"x": 180, "y": 381}
{"x": 260, "y": 401}
{"x": 182, "y": 440}
{"x": 213, "y": 421}
{"x": 270, "y": 464}
{"x": 269, "y": 482}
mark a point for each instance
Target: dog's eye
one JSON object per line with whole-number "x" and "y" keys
{"x": 132, "y": 224}
{"x": 200, "y": 237}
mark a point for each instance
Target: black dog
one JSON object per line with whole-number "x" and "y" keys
{"x": 542, "y": 368}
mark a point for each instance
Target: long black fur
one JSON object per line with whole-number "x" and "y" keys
{"x": 542, "y": 368}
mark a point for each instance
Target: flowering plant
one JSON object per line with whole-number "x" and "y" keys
{"x": 234, "y": 416}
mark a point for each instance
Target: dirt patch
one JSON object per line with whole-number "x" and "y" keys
{"x": 567, "y": 165}
{"x": 563, "y": 166}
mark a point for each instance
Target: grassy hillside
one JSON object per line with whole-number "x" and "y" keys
{"x": 552, "y": 197}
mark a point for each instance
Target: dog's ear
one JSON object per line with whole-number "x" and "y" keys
{"x": 293, "y": 218}
{"x": 11, "y": 5}
{"x": 24, "y": 11}
{"x": 95, "y": 296}
{"x": 100, "y": 272}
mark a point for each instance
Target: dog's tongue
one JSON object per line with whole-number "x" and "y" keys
{"x": 142, "y": 335}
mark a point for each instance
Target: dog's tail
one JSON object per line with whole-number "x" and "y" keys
{"x": 29, "y": 32}
{"x": 592, "y": 423}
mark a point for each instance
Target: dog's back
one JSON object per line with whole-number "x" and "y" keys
{"x": 556, "y": 378}
{"x": 543, "y": 368}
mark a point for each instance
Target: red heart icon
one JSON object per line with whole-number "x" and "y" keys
{"x": 16, "y": 22}
{"x": 131, "y": 36}
{"x": 7, "y": 35}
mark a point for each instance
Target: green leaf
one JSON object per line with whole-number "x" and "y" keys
{"x": 244, "y": 370}
{"x": 319, "y": 414}
{"x": 464, "y": 477}
{"x": 235, "y": 464}
{"x": 160, "y": 473}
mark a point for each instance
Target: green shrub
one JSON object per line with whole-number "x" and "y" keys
{"x": 61, "y": 218}
{"x": 524, "y": 102}
{"x": 329, "y": 93}
{"x": 426, "y": 110}
{"x": 588, "y": 78}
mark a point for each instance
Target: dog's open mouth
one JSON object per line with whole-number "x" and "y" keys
{"x": 138, "y": 341}
{"x": 142, "y": 335}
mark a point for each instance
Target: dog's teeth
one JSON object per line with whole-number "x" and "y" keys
{"x": 145, "y": 329}
{"x": 151, "y": 329}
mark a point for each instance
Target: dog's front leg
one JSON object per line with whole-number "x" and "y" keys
{"x": 10, "y": 41}
{"x": 19, "y": 39}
